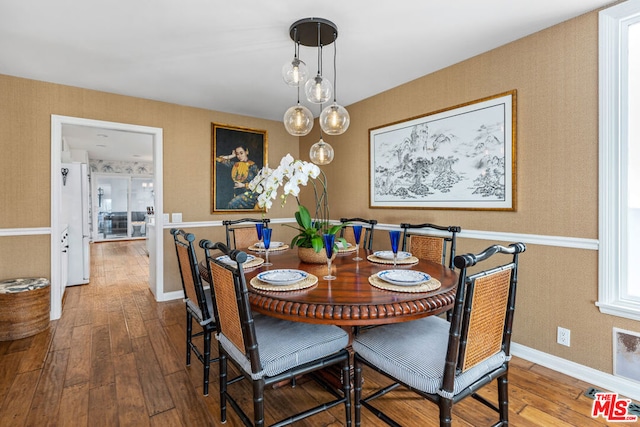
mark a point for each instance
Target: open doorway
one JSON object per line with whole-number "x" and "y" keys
{"x": 153, "y": 231}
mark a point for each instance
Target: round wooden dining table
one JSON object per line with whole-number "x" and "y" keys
{"x": 349, "y": 300}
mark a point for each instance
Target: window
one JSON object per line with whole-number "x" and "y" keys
{"x": 619, "y": 205}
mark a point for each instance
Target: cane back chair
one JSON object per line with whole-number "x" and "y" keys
{"x": 368, "y": 226}
{"x": 446, "y": 362}
{"x": 267, "y": 350}
{"x": 198, "y": 303}
{"x": 239, "y": 235}
{"x": 429, "y": 247}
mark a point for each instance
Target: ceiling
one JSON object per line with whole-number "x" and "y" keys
{"x": 227, "y": 56}
{"x": 109, "y": 144}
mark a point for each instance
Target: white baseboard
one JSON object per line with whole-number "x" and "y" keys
{"x": 170, "y": 296}
{"x": 607, "y": 382}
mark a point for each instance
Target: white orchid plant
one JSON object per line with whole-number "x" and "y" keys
{"x": 291, "y": 174}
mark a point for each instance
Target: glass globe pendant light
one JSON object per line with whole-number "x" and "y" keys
{"x": 318, "y": 89}
{"x": 321, "y": 153}
{"x": 295, "y": 72}
{"x": 298, "y": 120}
{"x": 334, "y": 119}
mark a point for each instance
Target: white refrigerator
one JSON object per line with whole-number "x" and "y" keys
{"x": 75, "y": 213}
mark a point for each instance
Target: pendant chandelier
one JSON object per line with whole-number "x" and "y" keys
{"x": 298, "y": 120}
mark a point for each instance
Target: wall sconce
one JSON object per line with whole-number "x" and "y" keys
{"x": 64, "y": 171}
{"x": 100, "y": 194}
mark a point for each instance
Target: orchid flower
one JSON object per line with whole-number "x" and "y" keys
{"x": 291, "y": 174}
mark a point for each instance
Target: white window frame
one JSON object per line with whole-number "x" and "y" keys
{"x": 613, "y": 116}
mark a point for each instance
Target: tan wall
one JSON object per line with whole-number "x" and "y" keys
{"x": 26, "y": 107}
{"x": 555, "y": 73}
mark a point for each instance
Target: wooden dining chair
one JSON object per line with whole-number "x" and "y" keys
{"x": 431, "y": 247}
{"x": 239, "y": 234}
{"x": 267, "y": 350}
{"x": 446, "y": 362}
{"x": 198, "y": 302}
{"x": 368, "y": 226}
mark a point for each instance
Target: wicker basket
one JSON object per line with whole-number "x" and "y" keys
{"x": 310, "y": 256}
{"x": 25, "y": 306}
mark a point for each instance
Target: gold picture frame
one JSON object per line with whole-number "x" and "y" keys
{"x": 237, "y": 155}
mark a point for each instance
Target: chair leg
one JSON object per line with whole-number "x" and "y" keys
{"x": 189, "y": 332}
{"x": 503, "y": 398}
{"x": 346, "y": 381}
{"x": 445, "y": 405}
{"x": 222, "y": 363}
{"x": 258, "y": 403}
{"x": 206, "y": 362}
{"x": 357, "y": 384}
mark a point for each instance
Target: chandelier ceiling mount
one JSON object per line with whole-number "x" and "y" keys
{"x": 305, "y": 32}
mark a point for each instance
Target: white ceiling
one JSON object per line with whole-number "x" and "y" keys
{"x": 227, "y": 55}
{"x": 109, "y": 144}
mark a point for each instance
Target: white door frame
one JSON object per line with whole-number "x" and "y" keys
{"x": 57, "y": 288}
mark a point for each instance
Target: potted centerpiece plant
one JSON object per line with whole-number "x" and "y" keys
{"x": 290, "y": 175}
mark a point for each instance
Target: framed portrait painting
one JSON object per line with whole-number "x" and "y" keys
{"x": 238, "y": 154}
{"x": 463, "y": 157}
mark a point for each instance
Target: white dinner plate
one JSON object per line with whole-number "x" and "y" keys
{"x": 341, "y": 246}
{"x": 404, "y": 277}
{"x": 389, "y": 254}
{"x": 272, "y": 245}
{"x": 227, "y": 260}
{"x": 282, "y": 277}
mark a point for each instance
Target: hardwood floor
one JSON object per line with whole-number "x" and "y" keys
{"x": 116, "y": 357}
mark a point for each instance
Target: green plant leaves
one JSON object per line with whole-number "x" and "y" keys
{"x": 310, "y": 232}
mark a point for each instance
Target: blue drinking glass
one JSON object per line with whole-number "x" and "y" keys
{"x": 259, "y": 227}
{"x": 395, "y": 239}
{"x": 329, "y": 240}
{"x": 357, "y": 232}
{"x": 266, "y": 239}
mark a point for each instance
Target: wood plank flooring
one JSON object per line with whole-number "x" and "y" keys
{"x": 116, "y": 358}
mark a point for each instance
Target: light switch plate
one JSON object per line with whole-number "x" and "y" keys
{"x": 176, "y": 217}
{"x": 165, "y": 218}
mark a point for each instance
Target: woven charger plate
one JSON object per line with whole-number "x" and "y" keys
{"x": 253, "y": 263}
{"x": 430, "y": 285}
{"x": 406, "y": 261}
{"x": 305, "y": 283}
{"x": 347, "y": 250}
{"x": 255, "y": 248}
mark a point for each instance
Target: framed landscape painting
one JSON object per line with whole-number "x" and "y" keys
{"x": 463, "y": 157}
{"x": 238, "y": 154}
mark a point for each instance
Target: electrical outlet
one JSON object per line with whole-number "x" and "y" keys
{"x": 564, "y": 336}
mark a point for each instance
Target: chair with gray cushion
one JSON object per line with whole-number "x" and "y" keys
{"x": 429, "y": 246}
{"x": 241, "y": 233}
{"x": 267, "y": 350}
{"x": 368, "y": 226}
{"x": 446, "y": 362}
{"x": 198, "y": 303}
